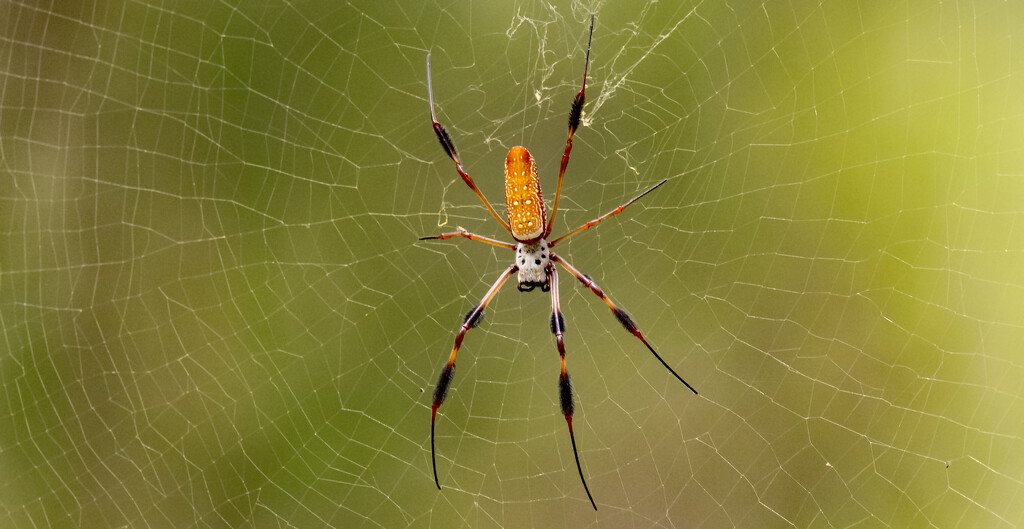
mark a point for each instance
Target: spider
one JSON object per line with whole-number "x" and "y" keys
{"x": 534, "y": 260}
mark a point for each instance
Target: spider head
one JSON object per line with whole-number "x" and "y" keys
{"x": 533, "y": 260}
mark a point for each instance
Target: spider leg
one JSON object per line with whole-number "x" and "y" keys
{"x": 473, "y": 318}
{"x": 620, "y": 315}
{"x": 470, "y": 236}
{"x": 611, "y": 213}
{"x": 574, "y": 121}
{"x": 564, "y": 387}
{"x": 449, "y": 149}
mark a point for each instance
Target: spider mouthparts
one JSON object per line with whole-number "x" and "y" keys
{"x": 528, "y": 286}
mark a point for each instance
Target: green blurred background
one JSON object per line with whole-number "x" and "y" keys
{"x": 216, "y": 313}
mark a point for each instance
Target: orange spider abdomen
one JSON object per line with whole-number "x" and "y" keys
{"x": 525, "y": 203}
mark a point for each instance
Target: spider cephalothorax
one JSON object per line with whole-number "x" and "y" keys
{"x": 534, "y": 260}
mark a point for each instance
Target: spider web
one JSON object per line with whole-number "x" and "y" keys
{"x": 215, "y": 311}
